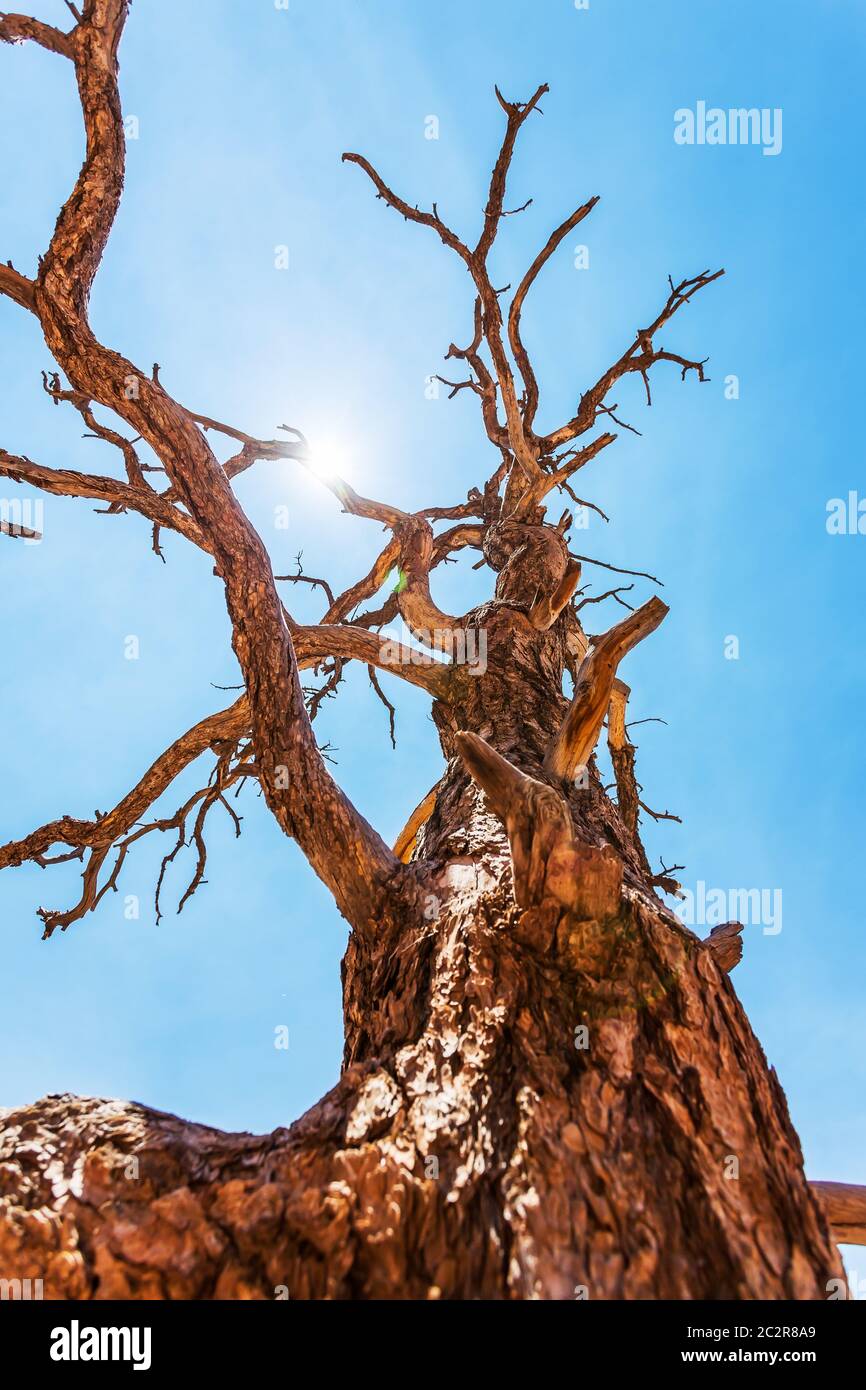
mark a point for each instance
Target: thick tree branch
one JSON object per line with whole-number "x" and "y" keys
{"x": 18, "y": 287}
{"x": 314, "y": 644}
{"x": 255, "y": 450}
{"x": 18, "y": 28}
{"x": 559, "y": 476}
{"x": 86, "y": 218}
{"x": 343, "y": 849}
{"x": 845, "y": 1207}
{"x": 356, "y": 505}
{"x": 425, "y": 620}
{"x": 544, "y": 613}
{"x": 66, "y": 482}
{"x": 573, "y": 745}
{"x": 416, "y": 551}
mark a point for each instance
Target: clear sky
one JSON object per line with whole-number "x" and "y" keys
{"x": 243, "y": 110}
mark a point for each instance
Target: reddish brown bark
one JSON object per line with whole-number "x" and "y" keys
{"x": 474, "y": 1145}
{"x": 550, "y": 1089}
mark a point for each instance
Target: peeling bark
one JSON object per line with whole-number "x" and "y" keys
{"x": 468, "y": 1149}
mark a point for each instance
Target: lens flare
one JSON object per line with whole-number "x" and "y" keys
{"x": 327, "y": 460}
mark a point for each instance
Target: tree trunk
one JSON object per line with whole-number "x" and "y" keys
{"x": 549, "y": 1089}
{"x": 535, "y": 1102}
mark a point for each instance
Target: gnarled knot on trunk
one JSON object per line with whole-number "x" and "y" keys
{"x": 532, "y": 562}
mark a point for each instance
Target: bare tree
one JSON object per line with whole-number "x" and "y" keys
{"x": 549, "y": 1085}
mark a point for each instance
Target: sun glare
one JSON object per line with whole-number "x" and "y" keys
{"x": 328, "y": 459}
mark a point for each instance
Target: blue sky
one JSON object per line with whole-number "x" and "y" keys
{"x": 243, "y": 112}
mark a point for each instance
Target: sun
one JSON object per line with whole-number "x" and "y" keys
{"x": 328, "y": 458}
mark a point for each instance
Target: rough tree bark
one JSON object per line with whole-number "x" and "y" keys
{"x": 550, "y": 1088}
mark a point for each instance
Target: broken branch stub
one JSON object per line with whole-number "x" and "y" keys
{"x": 545, "y": 612}
{"x": 844, "y": 1205}
{"x": 622, "y": 757}
{"x": 726, "y": 944}
{"x": 573, "y": 746}
{"x": 547, "y": 861}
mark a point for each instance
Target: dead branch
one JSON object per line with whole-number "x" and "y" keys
{"x": 726, "y": 943}
{"x": 120, "y": 828}
{"x": 547, "y": 862}
{"x": 544, "y": 613}
{"x": 484, "y": 383}
{"x": 488, "y": 314}
{"x": 530, "y": 394}
{"x": 392, "y": 713}
{"x": 346, "y": 853}
{"x": 664, "y": 880}
{"x": 97, "y": 836}
{"x": 577, "y": 738}
{"x": 516, "y": 112}
{"x": 122, "y": 497}
{"x": 254, "y": 450}
{"x": 404, "y": 845}
{"x": 415, "y": 552}
{"x": 845, "y": 1206}
{"x": 19, "y": 533}
{"x": 17, "y": 287}
{"x": 411, "y": 214}
{"x": 316, "y": 695}
{"x": 322, "y": 640}
{"x": 660, "y": 815}
{"x": 134, "y": 469}
{"x": 617, "y": 569}
{"x": 640, "y": 357}
{"x": 368, "y": 586}
{"x": 609, "y": 593}
{"x": 301, "y": 578}
{"x": 622, "y": 755}
{"x": 18, "y": 28}
{"x": 559, "y": 477}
